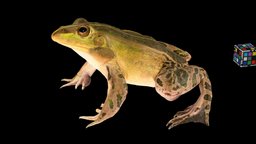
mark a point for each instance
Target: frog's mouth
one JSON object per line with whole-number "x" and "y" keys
{"x": 69, "y": 44}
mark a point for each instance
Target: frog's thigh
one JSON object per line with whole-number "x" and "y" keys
{"x": 172, "y": 81}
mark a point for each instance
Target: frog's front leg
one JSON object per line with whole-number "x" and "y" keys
{"x": 173, "y": 82}
{"x": 117, "y": 91}
{"x": 83, "y": 77}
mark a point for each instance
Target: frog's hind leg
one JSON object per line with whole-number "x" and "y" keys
{"x": 180, "y": 82}
{"x": 199, "y": 111}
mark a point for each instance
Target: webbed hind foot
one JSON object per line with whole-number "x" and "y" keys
{"x": 194, "y": 113}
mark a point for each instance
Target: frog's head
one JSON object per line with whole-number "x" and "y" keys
{"x": 79, "y": 36}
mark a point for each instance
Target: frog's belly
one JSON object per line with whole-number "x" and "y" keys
{"x": 141, "y": 73}
{"x": 141, "y": 80}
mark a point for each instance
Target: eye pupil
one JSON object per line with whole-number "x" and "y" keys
{"x": 82, "y": 29}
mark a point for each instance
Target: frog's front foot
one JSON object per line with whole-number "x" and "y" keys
{"x": 83, "y": 80}
{"x": 83, "y": 77}
{"x": 198, "y": 112}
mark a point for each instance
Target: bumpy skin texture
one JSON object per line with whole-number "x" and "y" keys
{"x": 127, "y": 57}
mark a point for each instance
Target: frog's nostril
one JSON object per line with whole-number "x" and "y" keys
{"x": 64, "y": 31}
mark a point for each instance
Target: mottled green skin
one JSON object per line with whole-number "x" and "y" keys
{"x": 138, "y": 38}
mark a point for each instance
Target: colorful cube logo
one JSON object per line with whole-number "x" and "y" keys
{"x": 245, "y": 55}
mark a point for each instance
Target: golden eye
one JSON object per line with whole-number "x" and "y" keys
{"x": 83, "y": 31}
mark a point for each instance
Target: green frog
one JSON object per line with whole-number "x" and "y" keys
{"x": 127, "y": 57}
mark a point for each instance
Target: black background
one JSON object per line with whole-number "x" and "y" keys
{"x": 207, "y": 31}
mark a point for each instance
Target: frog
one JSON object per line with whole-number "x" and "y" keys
{"x": 125, "y": 57}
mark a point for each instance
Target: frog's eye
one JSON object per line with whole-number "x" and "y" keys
{"x": 83, "y": 31}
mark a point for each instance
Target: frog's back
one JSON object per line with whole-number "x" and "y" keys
{"x": 140, "y": 39}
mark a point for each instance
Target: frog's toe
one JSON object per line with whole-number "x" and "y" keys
{"x": 70, "y": 83}
{"x": 96, "y": 119}
{"x": 190, "y": 114}
{"x": 91, "y": 118}
{"x": 183, "y": 112}
{"x": 100, "y": 117}
{"x": 84, "y": 81}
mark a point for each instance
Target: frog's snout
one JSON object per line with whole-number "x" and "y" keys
{"x": 55, "y": 34}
